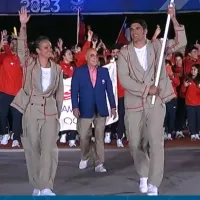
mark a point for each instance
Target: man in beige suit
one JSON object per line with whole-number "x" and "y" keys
{"x": 137, "y": 67}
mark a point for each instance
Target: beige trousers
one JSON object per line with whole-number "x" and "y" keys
{"x": 41, "y": 151}
{"x": 146, "y": 141}
{"x": 84, "y": 127}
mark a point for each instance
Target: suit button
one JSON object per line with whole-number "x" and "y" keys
{"x": 143, "y": 82}
{"x": 43, "y": 97}
{"x": 152, "y": 79}
{"x": 42, "y": 105}
{"x": 32, "y": 104}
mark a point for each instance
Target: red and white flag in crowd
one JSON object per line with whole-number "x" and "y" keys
{"x": 121, "y": 39}
{"x": 80, "y": 28}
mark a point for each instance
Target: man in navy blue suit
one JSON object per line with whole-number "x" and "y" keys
{"x": 89, "y": 87}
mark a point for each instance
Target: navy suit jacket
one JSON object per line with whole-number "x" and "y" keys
{"x": 84, "y": 96}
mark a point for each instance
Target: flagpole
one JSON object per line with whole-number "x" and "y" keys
{"x": 121, "y": 29}
{"x": 157, "y": 79}
{"x": 78, "y": 26}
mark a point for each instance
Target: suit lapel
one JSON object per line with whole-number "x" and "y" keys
{"x": 97, "y": 79}
{"x": 150, "y": 59}
{"x": 88, "y": 75}
{"x": 38, "y": 77}
{"x": 134, "y": 59}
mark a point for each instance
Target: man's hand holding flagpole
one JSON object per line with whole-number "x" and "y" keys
{"x": 162, "y": 53}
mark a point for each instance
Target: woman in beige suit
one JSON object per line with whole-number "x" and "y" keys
{"x": 40, "y": 101}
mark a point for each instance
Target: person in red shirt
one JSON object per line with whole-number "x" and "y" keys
{"x": 68, "y": 68}
{"x": 191, "y": 59}
{"x": 181, "y": 111}
{"x": 10, "y": 84}
{"x": 66, "y": 63}
{"x": 191, "y": 88}
{"x": 81, "y": 52}
{"x": 171, "y": 106}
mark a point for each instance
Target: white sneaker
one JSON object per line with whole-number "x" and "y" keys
{"x": 119, "y": 143}
{"x": 77, "y": 137}
{"x": 1, "y": 138}
{"x": 72, "y": 143}
{"x": 36, "y": 192}
{"x": 5, "y": 139}
{"x": 193, "y": 137}
{"x": 179, "y": 134}
{"x": 93, "y": 139}
{"x": 83, "y": 164}
{"x": 197, "y": 137}
{"x": 63, "y": 138}
{"x": 47, "y": 192}
{"x": 152, "y": 190}
{"x": 169, "y": 137}
{"x": 100, "y": 168}
{"x": 143, "y": 185}
{"x": 15, "y": 143}
{"x": 12, "y": 135}
{"x": 107, "y": 138}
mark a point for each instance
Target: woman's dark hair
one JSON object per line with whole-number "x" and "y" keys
{"x": 178, "y": 54}
{"x": 63, "y": 52}
{"x": 190, "y": 48}
{"x": 197, "y": 78}
{"x": 39, "y": 40}
{"x": 31, "y": 47}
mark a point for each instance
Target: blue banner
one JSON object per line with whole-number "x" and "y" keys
{"x": 94, "y": 6}
{"x": 100, "y": 197}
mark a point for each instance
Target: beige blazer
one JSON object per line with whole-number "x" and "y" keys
{"x": 39, "y": 104}
{"x": 137, "y": 82}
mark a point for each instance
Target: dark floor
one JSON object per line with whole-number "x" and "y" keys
{"x": 182, "y": 174}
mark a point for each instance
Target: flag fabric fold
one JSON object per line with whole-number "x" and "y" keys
{"x": 121, "y": 39}
{"x": 80, "y": 28}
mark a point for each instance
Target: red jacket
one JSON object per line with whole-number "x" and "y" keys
{"x": 80, "y": 56}
{"x": 188, "y": 62}
{"x": 11, "y": 75}
{"x": 192, "y": 94}
{"x": 7, "y": 51}
{"x": 67, "y": 68}
{"x": 175, "y": 82}
{"x": 179, "y": 71}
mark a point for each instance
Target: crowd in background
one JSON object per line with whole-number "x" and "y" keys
{"x": 183, "y": 67}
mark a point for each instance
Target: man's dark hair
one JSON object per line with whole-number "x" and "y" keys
{"x": 115, "y": 46}
{"x": 190, "y": 48}
{"x": 178, "y": 54}
{"x": 141, "y": 22}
